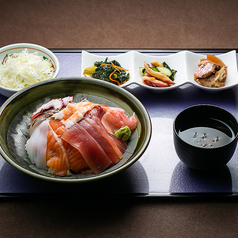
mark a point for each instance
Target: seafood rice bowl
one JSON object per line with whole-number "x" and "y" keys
{"x": 86, "y": 130}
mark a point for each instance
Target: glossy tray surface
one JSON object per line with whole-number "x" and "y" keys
{"x": 159, "y": 171}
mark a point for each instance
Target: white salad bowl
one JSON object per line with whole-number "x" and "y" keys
{"x": 31, "y": 48}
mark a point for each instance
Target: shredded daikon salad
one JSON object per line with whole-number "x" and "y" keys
{"x": 19, "y": 70}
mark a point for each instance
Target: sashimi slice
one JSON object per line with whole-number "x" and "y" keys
{"x": 121, "y": 145}
{"x": 56, "y": 155}
{"x": 102, "y": 141}
{"x": 73, "y": 113}
{"x": 56, "y": 104}
{"x": 97, "y": 112}
{"x": 75, "y": 158}
{"x": 57, "y": 126}
{"x": 35, "y": 122}
{"x": 118, "y": 145}
{"x": 91, "y": 151}
{"x": 37, "y": 144}
{"x": 94, "y": 118}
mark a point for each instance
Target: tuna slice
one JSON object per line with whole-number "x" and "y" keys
{"x": 98, "y": 148}
{"x": 94, "y": 117}
{"x": 91, "y": 151}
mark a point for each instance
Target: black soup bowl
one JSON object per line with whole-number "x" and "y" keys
{"x": 205, "y": 137}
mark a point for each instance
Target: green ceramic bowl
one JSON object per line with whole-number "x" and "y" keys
{"x": 16, "y": 111}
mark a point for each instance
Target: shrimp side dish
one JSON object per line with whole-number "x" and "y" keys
{"x": 84, "y": 137}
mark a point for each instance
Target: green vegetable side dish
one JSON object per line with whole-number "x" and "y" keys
{"x": 165, "y": 69}
{"x": 110, "y": 71}
{"x": 123, "y": 133}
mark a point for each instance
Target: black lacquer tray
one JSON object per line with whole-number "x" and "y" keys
{"x": 159, "y": 172}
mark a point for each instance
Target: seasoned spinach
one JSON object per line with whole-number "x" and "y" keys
{"x": 110, "y": 71}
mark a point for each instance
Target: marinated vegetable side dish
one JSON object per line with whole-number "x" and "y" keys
{"x": 19, "y": 70}
{"x": 157, "y": 74}
{"x": 211, "y": 72}
{"x": 83, "y": 137}
{"x": 110, "y": 71}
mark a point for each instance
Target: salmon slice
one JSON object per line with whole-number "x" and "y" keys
{"x": 57, "y": 126}
{"x": 75, "y": 158}
{"x": 56, "y": 156}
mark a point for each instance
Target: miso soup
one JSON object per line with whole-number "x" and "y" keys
{"x": 209, "y": 133}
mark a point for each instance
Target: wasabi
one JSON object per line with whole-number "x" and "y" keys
{"x": 124, "y": 133}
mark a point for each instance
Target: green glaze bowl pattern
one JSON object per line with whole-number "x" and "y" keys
{"x": 16, "y": 111}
